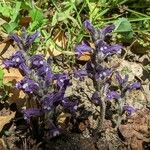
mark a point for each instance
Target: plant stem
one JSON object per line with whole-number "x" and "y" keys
{"x": 99, "y": 88}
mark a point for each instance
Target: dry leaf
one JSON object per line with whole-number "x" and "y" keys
{"x": 6, "y": 50}
{"x": 6, "y": 119}
{"x": 63, "y": 119}
{"x": 60, "y": 40}
{"x": 136, "y": 131}
{"x": 83, "y": 125}
{"x": 24, "y": 21}
{"x": 15, "y": 95}
{"x": 85, "y": 56}
{"x": 12, "y": 74}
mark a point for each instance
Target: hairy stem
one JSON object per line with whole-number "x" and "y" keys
{"x": 99, "y": 86}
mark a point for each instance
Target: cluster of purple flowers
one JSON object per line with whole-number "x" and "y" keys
{"x": 39, "y": 81}
{"x": 48, "y": 88}
{"x": 96, "y": 69}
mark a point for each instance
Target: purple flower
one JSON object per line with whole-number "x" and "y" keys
{"x": 89, "y": 26}
{"x": 89, "y": 67}
{"x": 54, "y": 132}
{"x": 28, "y": 85}
{"x": 52, "y": 100}
{"x": 17, "y": 39}
{"x": 37, "y": 61}
{"x": 113, "y": 95}
{"x": 108, "y": 50}
{"x": 24, "y": 68}
{"x": 30, "y": 39}
{"x": 122, "y": 81}
{"x": 98, "y": 34}
{"x": 95, "y": 98}
{"x": 129, "y": 109}
{"x": 107, "y": 30}
{"x": 44, "y": 71}
{"x": 62, "y": 80}
{"x": 24, "y": 41}
{"x": 82, "y": 48}
{"x": 17, "y": 60}
{"x": 70, "y": 105}
{"x": 102, "y": 73}
{"x": 32, "y": 112}
{"x": 135, "y": 85}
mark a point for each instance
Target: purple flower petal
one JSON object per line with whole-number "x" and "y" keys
{"x": 24, "y": 41}
{"x": 98, "y": 34}
{"x": 122, "y": 81}
{"x": 24, "y": 68}
{"x": 108, "y": 49}
{"x": 135, "y": 85}
{"x": 28, "y": 85}
{"x": 32, "y": 112}
{"x": 30, "y": 39}
{"x": 62, "y": 80}
{"x": 82, "y": 48}
{"x": 16, "y": 38}
{"x": 52, "y": 100}
{"x": 102, "y": 73}
{"x": 113, "y": 95}
{"x": 129, "y": 109}
{"x": 70, "y": 105}
{"x": 37, "y": 61}
{"x": 17, "y": 60}
{"x": 108, "y": 29}
{"x": 89, "y": 26}
{"x": 95, "y": 98}
{"x": 44, "y": 71}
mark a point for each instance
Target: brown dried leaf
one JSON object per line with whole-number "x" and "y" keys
{"x": 63, "y": 119}
{"x": 6, "y": 119}
{"x": 85, "y": 56}
{"x": 12, "y": 74}
{"x": 61, "y": 41}
{"x": 24, "y": 21}
{"x": 137, "y": 129}
{"x": 15, "y": 95}
{"x": 83, "y": 125}
{"x": 6, "y": 49}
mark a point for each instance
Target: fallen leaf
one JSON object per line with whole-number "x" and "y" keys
{"x": 24, "y": 21}
{"x": 60, "y": 40}
{"x": 83, "y": 125}
{"x": 12, "y": 74}
{"x": 85, "y": 57}
{"x": 15, "y": 95}
{"x": 6, "y": 49}
{"x": 136, "y": 131}
{"x": 63, "y": 119}
{"x": 6, "y": 119}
